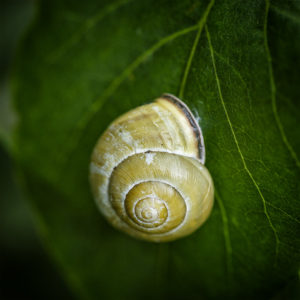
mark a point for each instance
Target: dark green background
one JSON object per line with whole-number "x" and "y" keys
{"x": 26, "y": 271}
{"x": 236, "y": 64}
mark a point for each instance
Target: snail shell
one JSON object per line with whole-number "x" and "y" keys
{"x": 147, "y": 172}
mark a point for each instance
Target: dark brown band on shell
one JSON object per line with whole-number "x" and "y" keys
{"x": 189, "y": 115}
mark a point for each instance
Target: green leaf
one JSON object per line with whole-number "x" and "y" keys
{"x": 236, "y": 64}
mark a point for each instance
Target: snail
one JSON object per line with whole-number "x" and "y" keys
{"x": 147, "y": 172}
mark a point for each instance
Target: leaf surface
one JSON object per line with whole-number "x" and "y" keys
{"x": 236, "y": 64}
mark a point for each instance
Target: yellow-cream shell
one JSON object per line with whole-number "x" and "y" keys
{"x": 147, "y": 172}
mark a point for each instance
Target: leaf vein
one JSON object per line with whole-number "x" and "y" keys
{"x": 84, "y": 28}
{"x": 284, "y": 212}
{"x": 98, "y": 103}
{"x": 201, "y": 23}
{"x": 227, "y": 239}
{"x": 285, "y": 14}
{"x": 238, "y": 74}
{"x": 237, "y": 143}
{"x": 273, "y": 90}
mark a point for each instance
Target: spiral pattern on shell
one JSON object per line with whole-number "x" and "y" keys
{"x": 147, "y": 172}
